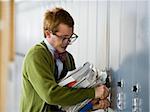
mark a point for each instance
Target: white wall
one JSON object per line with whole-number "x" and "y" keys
{"x": 90, "y": 24}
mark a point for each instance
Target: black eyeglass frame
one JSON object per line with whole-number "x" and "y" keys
{"x": 71, "y": 39}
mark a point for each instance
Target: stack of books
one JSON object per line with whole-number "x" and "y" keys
{"x": 85, "y": 76}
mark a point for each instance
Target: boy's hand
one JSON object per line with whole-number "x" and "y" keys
{"x": 101, "y": 92}
{"x": 101, "y": 104}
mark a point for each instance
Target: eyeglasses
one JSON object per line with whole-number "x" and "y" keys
{"x": 71, "y": 39}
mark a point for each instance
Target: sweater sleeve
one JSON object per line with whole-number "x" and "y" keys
{"x": 40, "y": 73}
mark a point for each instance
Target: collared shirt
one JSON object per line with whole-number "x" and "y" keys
{"x": 58, "y": 61}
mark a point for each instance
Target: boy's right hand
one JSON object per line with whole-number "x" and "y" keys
{"x": 101, "y": 92}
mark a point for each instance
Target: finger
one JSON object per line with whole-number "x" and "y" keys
{"x": 107, "y": 104}
{"x": 94, "y": 101}
{"x": 106, "y": 101}
{"x": 105, "y": 93}
{"x": 106, "y": 88}
{"x": 98, "y": 106}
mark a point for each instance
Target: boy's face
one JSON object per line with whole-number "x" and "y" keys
{"x": 60, "y": 40}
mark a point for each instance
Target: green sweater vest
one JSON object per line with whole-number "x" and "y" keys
{"x": 39, "y": 86}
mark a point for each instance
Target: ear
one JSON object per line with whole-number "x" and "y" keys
{"x": 48, "y": 34}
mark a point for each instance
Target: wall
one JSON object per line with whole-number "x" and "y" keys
{"x": 92, "y": 32}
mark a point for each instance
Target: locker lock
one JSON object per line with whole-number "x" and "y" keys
{"x": 136, "y": 88}
{"x": 120, "y": 83}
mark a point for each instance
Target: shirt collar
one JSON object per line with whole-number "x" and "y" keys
{"x": 50, "y": 47}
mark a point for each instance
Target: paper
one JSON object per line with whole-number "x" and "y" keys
{"x": 85, "y": 77}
